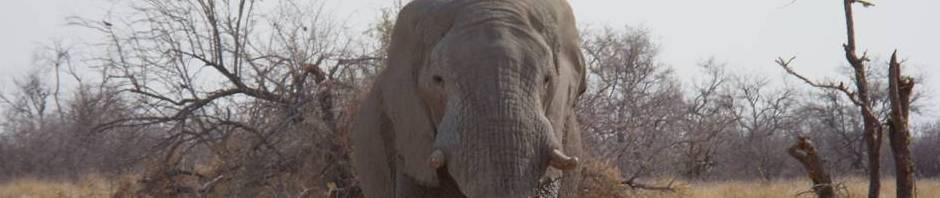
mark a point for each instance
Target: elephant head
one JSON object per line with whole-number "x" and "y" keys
{"x": 480, "y": 92}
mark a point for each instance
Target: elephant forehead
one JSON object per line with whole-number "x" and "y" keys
{"x": 489, "y": 30}
{"x": 491, "y": 11}
{"x": 493, "y": 43}
{"x": 516, "y": 15}
{"x": 493, "y": 54}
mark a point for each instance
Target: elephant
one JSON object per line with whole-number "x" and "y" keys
{"x": 477, "y": 99}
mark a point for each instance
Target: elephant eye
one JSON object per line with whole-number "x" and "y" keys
{"x": 437, "y": 79}
{"x": 546, "y": 82}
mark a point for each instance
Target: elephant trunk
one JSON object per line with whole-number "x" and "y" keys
{"x": 500, "y": 155}
{"x": 496, "y": 162}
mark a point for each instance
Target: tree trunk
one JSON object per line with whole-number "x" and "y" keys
{"x": 873, "y": 140}
{"x": 899, "y": 93}
{"x": 804, "y": 152}
{"x": 863, "y": 100}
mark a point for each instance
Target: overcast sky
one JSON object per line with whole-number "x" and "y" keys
{"x": 746, "y": 34}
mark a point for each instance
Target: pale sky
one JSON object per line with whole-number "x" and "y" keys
{"x": 746, "y": 34}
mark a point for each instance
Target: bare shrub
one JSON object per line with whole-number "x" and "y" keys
{"x": 255, "y": 89}
{"x": 633, "y": 103}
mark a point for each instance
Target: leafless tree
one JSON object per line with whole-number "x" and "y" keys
{"x": 835, "y": 125}
{"x": 900, "y": 91}
{"x": 56, "y": 141}
{"x": 708, "y": 123}
{"x": 925, "y": 147}
{"x": 261, "y": 87}
{"x": 633, "y": 105}
{"x": 862, "y": 96}
{"x": 765, "y": 121}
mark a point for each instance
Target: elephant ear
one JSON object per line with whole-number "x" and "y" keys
{"x": 570, "y": 63}
{"x": 569, "y": 49}
{"x": 564, "y": 40}
{"x": 411, "y": 121}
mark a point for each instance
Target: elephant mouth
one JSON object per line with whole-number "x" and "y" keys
{"x": 548, "y": 187}
{"x": 513, "y": 183}
{"x": 558, "y": 160}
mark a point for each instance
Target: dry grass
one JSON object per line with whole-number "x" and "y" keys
{"x": 601, "y": 181}
{"x": 94, "y": 186}
{"x": 850, "y": 187}
{"x": 89, "y": 186}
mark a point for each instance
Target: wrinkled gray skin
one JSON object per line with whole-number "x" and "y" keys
{"x": 491, "y": 84}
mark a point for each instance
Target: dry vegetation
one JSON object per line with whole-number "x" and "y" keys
{"x": 96, "y": 186}
{"x": 88, "y": 186}
{"x": 602, "y": 182}
{"x": 846, "y": 187}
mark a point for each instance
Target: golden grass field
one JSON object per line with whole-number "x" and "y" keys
{"x": 89, "y": 186}
{"x": 94, "y": 186}
{"x": 848, "y": 187}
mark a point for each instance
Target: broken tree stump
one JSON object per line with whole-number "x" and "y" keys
{"x": 804, "y": 152}
{"x": 899, "y": 94}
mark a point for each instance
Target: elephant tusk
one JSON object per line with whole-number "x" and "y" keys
{"x": 561, "y": 161}
{"x": 437, "y": 159}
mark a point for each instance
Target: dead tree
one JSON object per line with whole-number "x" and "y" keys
{"x": 872, "y": 125}
{"x": 861, "y": 97}
{"x": 899, "y": 93}
{"x": 804, "y": 152}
